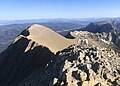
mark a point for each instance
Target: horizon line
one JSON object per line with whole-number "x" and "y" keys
{"x": 57, "y": 18}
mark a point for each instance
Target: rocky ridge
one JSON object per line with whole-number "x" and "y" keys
{"x": 80, "y": 66}
{"x": 28, "y": 63}
{"x": 94, "y": 39}
{"x": 108, "y": 30}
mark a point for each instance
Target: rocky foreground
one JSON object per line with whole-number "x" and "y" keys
{"x": 79, "y": 66}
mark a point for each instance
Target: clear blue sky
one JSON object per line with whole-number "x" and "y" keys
{"x": 36, "y": 9}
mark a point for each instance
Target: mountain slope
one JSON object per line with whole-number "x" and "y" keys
{"x": 107, "y": 30}
{"x": 32, "y": 50}
{"x": 16, "y": 64}
{"x": 103, "y": 26}
{"x": 46, "y": 37}
{"x": 9, "y": 32}
{"x": 35, "y": 59}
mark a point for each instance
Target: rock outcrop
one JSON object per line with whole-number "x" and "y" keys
{"x": 79, "y": 66}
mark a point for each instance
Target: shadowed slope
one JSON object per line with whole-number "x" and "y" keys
{"x": 18, "y": 64}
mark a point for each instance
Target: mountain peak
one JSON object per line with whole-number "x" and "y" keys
{"x": 37, "y": 26}
{"x": 47, "y": 37}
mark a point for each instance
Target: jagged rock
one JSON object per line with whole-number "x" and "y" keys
{"x": 117, "y": 81}
{"x": 87, "y": 59}
{"x": 83, "y": 76}
{"x": 81, "y": 57}
{"x": 66, "y": 70}
{"x": 55, "y": 81}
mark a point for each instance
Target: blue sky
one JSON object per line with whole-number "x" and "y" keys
{"x": 36, "y": 9}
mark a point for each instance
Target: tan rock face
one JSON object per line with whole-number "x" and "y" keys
{"x": 47, "y": 37}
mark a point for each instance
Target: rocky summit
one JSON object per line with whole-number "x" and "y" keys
{"x": 36, "y": 58}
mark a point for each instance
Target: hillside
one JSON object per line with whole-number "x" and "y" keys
{"x": 108, "y": 30}
{"x": 47, "y": 37}
{"x": 32, "y": 50}
{"x": 41, "y": 57}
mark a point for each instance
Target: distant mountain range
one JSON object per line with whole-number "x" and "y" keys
{"x": 103, "y": 26}
{"x": 72, "y": 20}
{"x": 7, "y": 22}
{"x": 108, "y": 28}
